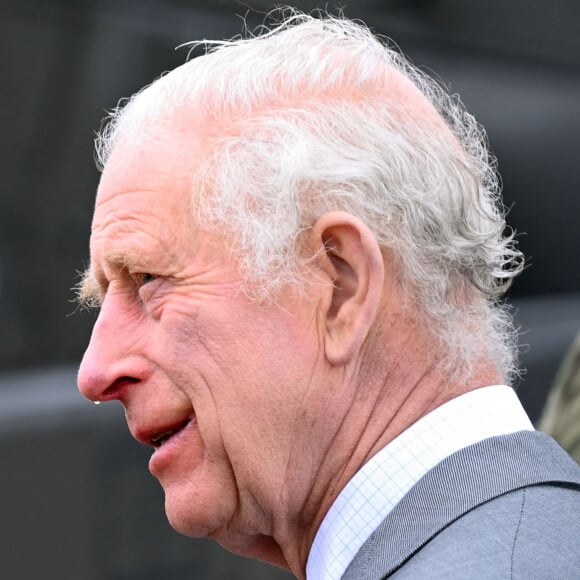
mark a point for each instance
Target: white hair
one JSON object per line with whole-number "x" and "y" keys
{"x": 310, "y": 117}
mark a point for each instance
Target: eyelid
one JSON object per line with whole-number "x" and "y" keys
{"x": 143, "y": 278}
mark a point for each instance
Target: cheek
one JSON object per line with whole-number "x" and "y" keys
{"x": 247, "y": 375}
{"x": 213, "y": 340}
{"x": 207, "y": 361}
{"x": 250, "y": 380}
{"x": 182, "y": 338}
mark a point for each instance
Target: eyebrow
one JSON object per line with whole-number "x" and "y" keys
{"x": 88, "y": 291}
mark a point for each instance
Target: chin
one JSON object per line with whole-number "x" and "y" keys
{"x": 197, "y": 515}
{"x": 189, "y": 523}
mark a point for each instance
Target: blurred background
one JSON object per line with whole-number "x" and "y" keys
{"x": 77, "y": 499}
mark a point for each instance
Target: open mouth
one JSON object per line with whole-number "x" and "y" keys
{"x": 162, "y": 438}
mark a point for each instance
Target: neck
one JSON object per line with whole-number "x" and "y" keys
{"x": 398, "y": 387}
{"x": 375, "y": 397}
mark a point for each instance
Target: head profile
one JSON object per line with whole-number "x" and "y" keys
{"x": 288, "y": 213}
{"x": 319, "y": 114}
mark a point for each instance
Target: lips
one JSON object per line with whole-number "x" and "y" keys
{"x": 160, "y": 438}
{"x": 158, "y": 435}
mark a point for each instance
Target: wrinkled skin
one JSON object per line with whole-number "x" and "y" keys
{"x": 177, "y": 341}
{"x": 259, "y": 414}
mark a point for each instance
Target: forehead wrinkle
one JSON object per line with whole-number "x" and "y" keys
{"x": 126, "y": 238}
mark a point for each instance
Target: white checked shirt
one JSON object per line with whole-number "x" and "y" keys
{"x": 382, "y": 482}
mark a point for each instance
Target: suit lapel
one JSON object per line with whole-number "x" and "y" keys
{"x": 458, "y": 484}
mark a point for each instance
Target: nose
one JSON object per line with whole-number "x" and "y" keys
{"x": 113, "y": 361}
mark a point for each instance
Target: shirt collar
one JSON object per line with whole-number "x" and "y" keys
{"x": 382, "y": 482}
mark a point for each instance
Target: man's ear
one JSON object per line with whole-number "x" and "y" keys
{"x": 353, "y": 260}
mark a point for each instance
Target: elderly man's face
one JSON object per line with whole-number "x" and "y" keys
{"x": 227, "y": 391}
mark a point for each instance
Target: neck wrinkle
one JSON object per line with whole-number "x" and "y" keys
{"x": 394, "y": 387}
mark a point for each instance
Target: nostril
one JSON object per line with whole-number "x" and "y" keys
{"x": 125, "y": 380}
{"x": 117, "y": 388}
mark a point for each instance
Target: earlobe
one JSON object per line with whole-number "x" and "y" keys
{"x": 354, "y": 261}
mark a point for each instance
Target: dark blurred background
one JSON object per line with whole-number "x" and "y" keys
{"x": 77, "y": 499}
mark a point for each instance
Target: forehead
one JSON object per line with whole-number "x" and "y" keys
{"x": 162, "y": 155}
{"x": 144, "y": 199}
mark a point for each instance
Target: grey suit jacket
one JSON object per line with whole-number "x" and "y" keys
{"x": 505, "y": 508}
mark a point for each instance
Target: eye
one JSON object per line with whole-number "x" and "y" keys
{"x": 143, "y": 278}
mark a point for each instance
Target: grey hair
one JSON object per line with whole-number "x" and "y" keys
{"x": 307, "y": 119}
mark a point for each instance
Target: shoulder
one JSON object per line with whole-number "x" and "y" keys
{"x": 504, "y": 508}
{"x": 529, "y": 533}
